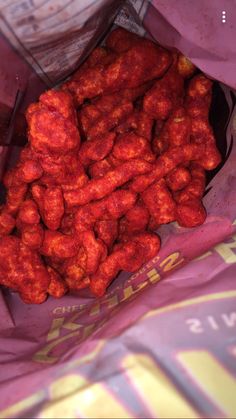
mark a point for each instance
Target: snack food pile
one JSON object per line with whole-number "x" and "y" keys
{"x": 118, "y": 150}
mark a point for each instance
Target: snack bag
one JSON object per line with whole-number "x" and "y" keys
{"x": 158, "y": 342}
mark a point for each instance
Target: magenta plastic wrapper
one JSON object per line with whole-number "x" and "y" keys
{"x": 162, "y": 342}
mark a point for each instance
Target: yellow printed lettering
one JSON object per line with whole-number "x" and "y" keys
{"x": 166, "y": 401}
{"x": 130, "y": 291}
{"x": 95, "y": 310}
{"x": 57, "y": 310}
{"x": 59, "y": 324}
{"x": 215, "y": 381}
{"x": 155, "y": 259}
{"x": 226, "y": 252}
{"x": 109, "y": 302}
{"x": 134, "y": 276}
{"x": 88, "y": 330}
{"x": 54, "y": 331}
{"x": 43, "y": 355}
{"x": 66, "y": 309}
{"x": 171, "y": 262}
{"x": 73, "y": 396}
{"x": 153, "y": 276}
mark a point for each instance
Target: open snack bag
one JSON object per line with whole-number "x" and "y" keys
{"x": 118, "y": 209}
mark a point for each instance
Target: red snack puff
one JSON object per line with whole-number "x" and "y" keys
{"x": 27, "y": 153}
{"x": 178, "y": 179}
{"x": 133, "y": 93}
{"x": 76, "y": 181}
{"x": 37, "y": 192}
{"x": 95, "y": 249}
{"x": 84, "y": 219}
{"x": 190, "y": 213}
{"x": 110, "y": 120}
{"x": 184, "y": 66}
{"x": 23, "y": 270}
{"x": 67, "y": 223}
{"x": 28, "y": 212}
{"x": 201, "y": 133}
{"x": 57, "y": 287}
{"x": 199, "y": 87}
{"x": 10, "y": 178}
{"x": 78, "y": 285}
{"x": 113, "y": 206}
{"x": 60, "y": 168}
{"x": 15, "y": 197}
{"x": 52, "y": 123}
{"x": 99, "y": 188}
{"x": 178, "y": 127}
{"x": 89, "y": 114}
{"x": 51, "y": 204}
{"x": 139, "y": 122}
{"x": 89, "y": 83}
{"x": 159, "y": 202}
{"x": 196, "y": 187}
{"x": 97, "y": 56}
{"x": 99, "y": 169}
{"x": 120, "y": 40}
{"x": 144, "y": 125}
{"x": 158, "y": 126}
{"x": 53, "y": 207}
{"x": 96, "y": 149}
{"x": 134, "y": 221}
{"x": 212, "y": 157}
{"x": 56, "y": 244}
{"x": 164, "y": 96}
{"x": 108, "y": 102}
{"x": 131, "y": 146}
{"x": 152, "y": 225}
{"x": 198, "y": 96}
{"x": 149, "y": 244}
{"x": 74, "y": 268}
{"x": 109, "y": 111}
{"x": 130, "y": 69}
{"x": 53, "y": 165}
{"x": 136, "y": 66}
{"x": 160, "y": 143}
{"x": 55, "y": 263}
{"x": 7, "y": 223}
{"x": 130, "y": 256}
{"x": 87, "y": 117}
{"x": 114, "y": 161}
{"x": 118, "y": 203}
{"x": 107, "y": 231}
{"x": 29, "y": 171}
{"x": 109, "y": 269}
{"x": 32, "y": 235}
{"x": 166, "y": 163}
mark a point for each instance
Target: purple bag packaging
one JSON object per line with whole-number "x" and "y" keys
{"x": 161, "y": 342}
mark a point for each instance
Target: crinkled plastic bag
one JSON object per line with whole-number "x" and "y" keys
{"x": 162, "y": 342}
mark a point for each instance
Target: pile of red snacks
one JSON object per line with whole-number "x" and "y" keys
{"x": 118, "y": 150}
